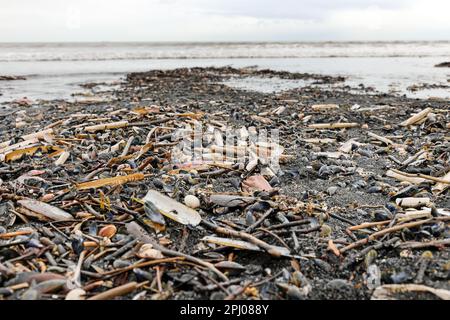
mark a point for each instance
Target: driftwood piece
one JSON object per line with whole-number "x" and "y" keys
{"x": 116, "y": 292}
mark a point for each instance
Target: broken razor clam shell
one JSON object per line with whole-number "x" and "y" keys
{"x": 225, "y": 200}
{"x": 413, "y": 202}
{"x": 46, "y": 210}
{"x": 173, "y": 209}
{"x": 239, "y": 244}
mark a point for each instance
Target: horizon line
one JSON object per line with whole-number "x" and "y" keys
{"x": 220, "y": 42}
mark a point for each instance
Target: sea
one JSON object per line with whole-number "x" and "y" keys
{"x": 56, "y": 70}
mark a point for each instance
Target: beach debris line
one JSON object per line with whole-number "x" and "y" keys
{"x": 138, "y": 194}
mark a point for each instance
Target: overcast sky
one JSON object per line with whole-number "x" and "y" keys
{"x": 223, "y": 20}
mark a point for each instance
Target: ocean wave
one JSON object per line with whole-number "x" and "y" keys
{"x": 182, "y": 51}
{"x": 150, "y": 57}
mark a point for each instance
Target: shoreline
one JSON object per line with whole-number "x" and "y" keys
{"x": 414, "y": 77}
{"x": 332, "y": 180}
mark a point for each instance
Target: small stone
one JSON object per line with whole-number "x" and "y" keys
{"x": 147, "y": 252}
{"x": 381, "y": 215}
{"x": 323, "y": 265}
{"x": 332, "y": 190}
{"x": 192, "y": 201}
{"x": 121, "y": 264}
{"x": 391, "y": 207}
{"x": 249, "y": 218}
{"x": 359, "y": 184}
{"x": 374, "y": 189}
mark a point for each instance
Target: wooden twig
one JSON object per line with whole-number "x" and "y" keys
{"x": 383, "y": 232}
{"x": 134, "y": 229}
{"x": 243, "y": 235}
{"x": 15, "y": 234}
{"x": 427, "y": 244}
{"x": 380, "y": 138}
{"x": 260, "y": 220}
{"x": 116, "y": 292}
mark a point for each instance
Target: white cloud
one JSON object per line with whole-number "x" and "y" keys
{"x": 220, "y": 20}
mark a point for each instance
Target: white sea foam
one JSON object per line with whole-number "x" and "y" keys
{"x": 138, "y": 51}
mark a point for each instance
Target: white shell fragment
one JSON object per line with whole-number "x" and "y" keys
{"x": 148, "y": 252}
{"x": 46, "y": 210}
{"x": 225, "y": 200}
{"x": 240, "y": 244}
{"x": 413, "y": 202}
{"x": 76, "y": 294}
{"x": 173, "y": 209}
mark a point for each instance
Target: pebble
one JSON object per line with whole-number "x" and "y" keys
{"x": 374, "y": 189}
{"x": 249, "y": 218}
{"x": 121, "y": 264}
{"x": 332, "y": 190}
{"x": 323, "y": 265}
{"x": 192, "y": 201}
{"x": 359, "y": 184}
{"x": 391, "y": 207}
{"x": 381, "y": 215}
